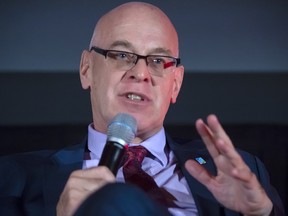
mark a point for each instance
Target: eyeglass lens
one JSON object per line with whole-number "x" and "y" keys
{"x": 126, "y": 61}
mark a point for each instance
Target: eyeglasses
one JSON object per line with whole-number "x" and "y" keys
{"x": 157, "y": 64}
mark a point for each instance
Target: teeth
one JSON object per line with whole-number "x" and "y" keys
{"x": 134, "y": 97}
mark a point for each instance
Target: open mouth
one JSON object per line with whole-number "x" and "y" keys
{"x": 134, "y": 97}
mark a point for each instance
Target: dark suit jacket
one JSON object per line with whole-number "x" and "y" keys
{"x": 31, "y": 183}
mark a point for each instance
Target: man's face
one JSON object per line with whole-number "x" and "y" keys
{"x": 136, "y": 92}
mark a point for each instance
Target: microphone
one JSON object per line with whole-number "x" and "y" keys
{"x": 121, "y": 131}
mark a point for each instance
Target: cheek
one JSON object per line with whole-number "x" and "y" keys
{"x": 105, "y": 87}
{"x": 98, "y": 88}
{"x": 164, "y": 97}
{"x": 167, "y": 91}
{"x": 101, "y": 88}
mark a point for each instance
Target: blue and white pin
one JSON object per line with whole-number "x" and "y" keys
{"x": 200, "y": 160}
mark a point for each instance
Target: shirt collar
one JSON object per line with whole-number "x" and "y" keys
{"x": 155, "y": 144}
{"x": 96, "y": 142}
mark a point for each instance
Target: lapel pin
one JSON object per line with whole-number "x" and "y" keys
{"x": 200, "y": 160}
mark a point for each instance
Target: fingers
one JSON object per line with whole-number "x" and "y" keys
{"x": 234, "y": 185}
{"x": 207, "y": 137}
{"x": 214, "y": 136}
{"x": 199, "y": 172}
{"x": 221, "y": 149}
{"x": 100, "y": 172}
{"x": 216, "y": 128}
{"x": 211, "y": 133}
{"x": 90, "y": 179}
{"x": 80, "y": 185}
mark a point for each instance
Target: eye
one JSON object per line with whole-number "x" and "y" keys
{"x": 122, "y": 55}
{"x": 158, "y": 61}
{"x": 118, "y": 55}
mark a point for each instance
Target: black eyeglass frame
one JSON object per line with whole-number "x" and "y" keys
{"x": 104, "y": 53}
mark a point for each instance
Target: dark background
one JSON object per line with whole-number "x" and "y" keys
{"x": 235, "y": 54}
{"x": 215, "y": 35}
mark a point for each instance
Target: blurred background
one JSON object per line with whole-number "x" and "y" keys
{"x": 235, "y": 55}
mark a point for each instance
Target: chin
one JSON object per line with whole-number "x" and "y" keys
{"x": 144, "y": 123}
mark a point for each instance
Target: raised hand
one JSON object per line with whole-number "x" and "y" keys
{"x": 235, "y": 186}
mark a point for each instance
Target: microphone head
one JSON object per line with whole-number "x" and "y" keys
{"x": 122, "y": 129}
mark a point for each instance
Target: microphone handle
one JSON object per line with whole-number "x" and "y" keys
{"x": 112, "y": 155}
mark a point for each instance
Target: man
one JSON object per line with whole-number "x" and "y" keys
{"x": 132, "y": 67}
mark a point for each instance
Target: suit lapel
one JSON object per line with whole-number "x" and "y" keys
{"x": 204, "y": 200}
{"x": 57, "y": 172}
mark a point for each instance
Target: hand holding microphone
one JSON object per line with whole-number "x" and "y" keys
{"x": 121, "y": 131}
{"x": 82, "y": 183}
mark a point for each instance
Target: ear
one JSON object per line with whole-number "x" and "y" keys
{"x": 179, "y": 74}
{"x": 85, "y": 70}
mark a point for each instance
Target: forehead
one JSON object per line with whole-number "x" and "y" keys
{"x": 144, "y": 30}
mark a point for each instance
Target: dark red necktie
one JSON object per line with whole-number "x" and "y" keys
{"x": 133, "y": 173}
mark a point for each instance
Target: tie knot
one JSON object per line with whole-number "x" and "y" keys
{"x": 135, "y": 153}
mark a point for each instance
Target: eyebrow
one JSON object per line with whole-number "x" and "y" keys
{"x": 122, "y": 43}
{"x": 126, "y": 44}
{"x": 161, "y": 50}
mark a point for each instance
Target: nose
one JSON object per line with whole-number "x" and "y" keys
{"x": 139, "y": 72}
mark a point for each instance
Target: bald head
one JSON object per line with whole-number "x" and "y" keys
{"x": 135, "y": 21}
{"x": 144, "y": 30}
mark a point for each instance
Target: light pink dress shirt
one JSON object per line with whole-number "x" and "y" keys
{"x": 162, "y": 167}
